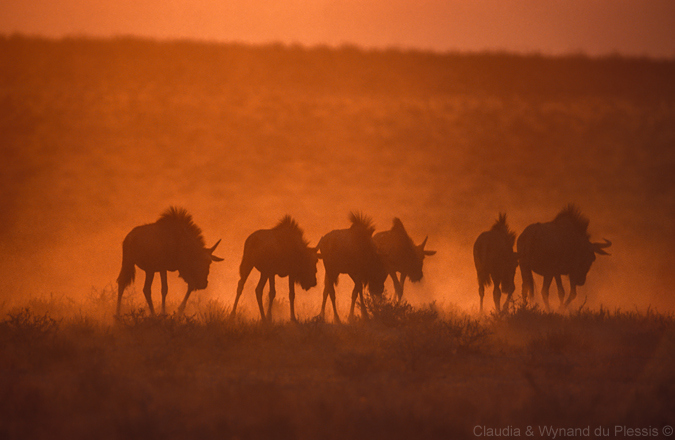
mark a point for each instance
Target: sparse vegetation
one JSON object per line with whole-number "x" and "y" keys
{"x": 407, "y": 372}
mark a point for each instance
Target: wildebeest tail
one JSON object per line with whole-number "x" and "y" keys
{"x": 127, "y": 273}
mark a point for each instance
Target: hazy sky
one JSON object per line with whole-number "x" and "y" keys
{"x": 631, "y": 27}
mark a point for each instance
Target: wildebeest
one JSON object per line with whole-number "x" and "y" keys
{"x": 173, "y": 243}
{"x": 281, "y": 251}
{"x": 559, "y": 247}
{"x": 353, "y": 252}
{"x": 401, "y": 255}
{"x": 495, "y": 261}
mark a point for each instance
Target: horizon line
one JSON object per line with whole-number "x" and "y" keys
{"x": 346, "y": 45}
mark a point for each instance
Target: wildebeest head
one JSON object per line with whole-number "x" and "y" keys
{"x": 189, "y": 254}
{"x": 571, "y": 219}
{"x": 195, "y": 270}
{"x": 301, "y": 257}
{"x": 585, "y": 260}
{"x": 399, "y": 251}
{"x": 414, "y": 259}
{"x": 421, "y": 253}
{"x": 306, "y": 270}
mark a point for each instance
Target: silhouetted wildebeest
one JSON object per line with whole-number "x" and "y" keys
{"x": 400, "y": 254}
{"x": 559, "y": 247}
{"x": 495, "y": 261}
{"x": 353, "y": 252}
{"x": 173, "y": 242}
{"x": 281, "y": 251}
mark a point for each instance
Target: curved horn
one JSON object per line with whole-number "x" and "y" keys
{"x": 607, "y": 243}
{"x": 421, "y": 247}
{"x": 214, "y": 246}
{"x": 213, "y": 257}
{"x": 598, "y": 247}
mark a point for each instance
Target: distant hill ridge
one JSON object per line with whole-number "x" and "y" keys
{"x": 346, "y": 69}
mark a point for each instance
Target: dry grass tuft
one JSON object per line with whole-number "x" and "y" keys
{"x": 407, "y": 372}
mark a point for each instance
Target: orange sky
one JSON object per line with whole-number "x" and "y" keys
{"x": 594, "y": 27}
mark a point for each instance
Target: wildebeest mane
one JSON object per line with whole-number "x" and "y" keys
{"x": 501, "y": 226}
{"x": 402, "y": 233}
{"x": 360, "y": 220}
{"x": 288, "y": 224}
{"x": 572, "y": 214}
{"x": 181, "y": 218}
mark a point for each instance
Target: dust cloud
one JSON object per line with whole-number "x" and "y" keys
{"x": 102, "y": 136}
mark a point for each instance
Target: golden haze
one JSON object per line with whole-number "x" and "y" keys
{"x": 102, "y": 135}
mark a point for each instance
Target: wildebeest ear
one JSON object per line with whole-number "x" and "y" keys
{"x": 214, "y": 258}
{"x": 429, "y": 252}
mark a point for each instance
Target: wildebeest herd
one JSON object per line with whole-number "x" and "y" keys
{"x": 175, "y": 243}
{"x": 552, "y": 249}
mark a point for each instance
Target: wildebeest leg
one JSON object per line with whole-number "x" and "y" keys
{"x": 183, "y": 303}
{"x": 481, "y": 293}
{"x": 120, "y": 290}
{"x": 573, "y": 294}
{"x": 259, "y": 294}
{"x": 358, "y": 293}
{"x": 165, "y": 290}
{"x": 528, "y": 282}
{"x": 403, "y": 277}
{"x": 355, "y": 294}
{"x": 323, "y": 303}
{"x": 561, "y": 290}
{"x": 273, "y": 294}
{"x": 244, "y": 272}
{"x": 508, "y": 299}
{"x": 364, "y": 312}
{"x": 336, "y": 317}
{"x": 497, "y": 296}
{"x": 544, "y": 290}
{"x": 147, "y": 290}
{"x": 329, "y": 289}
{"x": 398, "y": 288}
{"x": 291, "y": 296}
